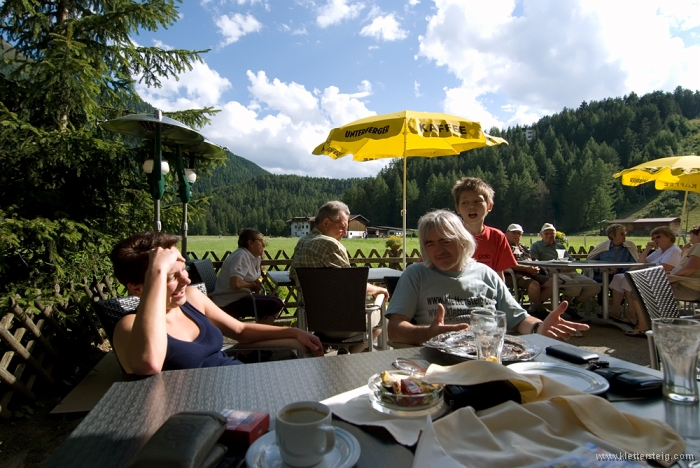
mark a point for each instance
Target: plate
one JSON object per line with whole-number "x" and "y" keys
{"x": 461, "y": 344}
{"x": 265, "y": 453}
{"x": 580, "y": 379}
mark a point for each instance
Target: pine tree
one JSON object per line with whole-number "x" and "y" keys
{"x": 69, "y": 188}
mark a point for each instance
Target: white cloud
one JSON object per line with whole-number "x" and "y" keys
{"x": 335, "y": 11}
{"x": 556, "y": 54}
{"x": 384, "y": 28}
{"x": 236, "y": 26}
{"x": 284, "y": 122}
{"x": 200, "y": 87}
{"x": 416, "y": 89}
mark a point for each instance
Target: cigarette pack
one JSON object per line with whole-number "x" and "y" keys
{"x": 243, "y": 427}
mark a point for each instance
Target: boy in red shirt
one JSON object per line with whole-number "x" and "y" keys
{"x": 473, "y": 201}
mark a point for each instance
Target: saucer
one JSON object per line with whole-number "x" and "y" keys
{"x": 264, "y": 453}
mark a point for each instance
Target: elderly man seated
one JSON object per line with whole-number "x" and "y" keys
{"x": 438, "y": 294}
{"x": 322, "y": 248}
{"x": 579, "y": 287}
{"x": 537, "y": 284}
{"x": 616, "y": 249}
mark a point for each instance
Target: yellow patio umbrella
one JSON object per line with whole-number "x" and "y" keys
{"x": 402, "y": 135}
{"x": 672, "y": 173}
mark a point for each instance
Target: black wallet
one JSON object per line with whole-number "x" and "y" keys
{"x": 481, "y": 396}
{"x": 571, "y": 354}
{"x": 629, "y": 382}
{"x": 185, "y": 440}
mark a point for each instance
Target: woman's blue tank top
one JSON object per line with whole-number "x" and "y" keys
{"x": 204, "y": 351}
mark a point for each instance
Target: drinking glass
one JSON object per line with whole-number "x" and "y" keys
{"x": 489, "y": 327}
{"x": 678, "y": 341}
{"x": 561, "y": 254}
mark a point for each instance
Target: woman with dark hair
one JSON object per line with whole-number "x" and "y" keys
{"x": 176, "y": 326}
{"x": 239, "y": 276}
{"x": 437, "y": 295}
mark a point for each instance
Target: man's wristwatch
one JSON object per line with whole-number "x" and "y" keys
{"x": 535, "y": 327}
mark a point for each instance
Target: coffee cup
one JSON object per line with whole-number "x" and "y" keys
{"x": 304, "y": 433}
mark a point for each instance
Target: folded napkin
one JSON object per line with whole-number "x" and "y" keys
{"x": 553, "y": 420}
{"x": 355, "y": 408}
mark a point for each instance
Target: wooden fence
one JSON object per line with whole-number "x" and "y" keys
{"x": 43, "y": 342}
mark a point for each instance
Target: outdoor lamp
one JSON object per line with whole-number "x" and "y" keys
{"x": 190, "y": 175}
{"x": 148, "y": 166}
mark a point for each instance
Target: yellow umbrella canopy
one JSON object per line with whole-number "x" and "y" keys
{"x": 405, "y": 134}
{"x": 672, "y": 173}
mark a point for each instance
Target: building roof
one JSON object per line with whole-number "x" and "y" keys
{"x": 643, "y": 220}
{"x": 301, "y": 218}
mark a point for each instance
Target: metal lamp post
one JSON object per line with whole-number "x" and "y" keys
{"x": 159, "y": 129}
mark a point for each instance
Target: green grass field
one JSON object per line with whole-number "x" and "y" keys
{"x": 201, "y": 244}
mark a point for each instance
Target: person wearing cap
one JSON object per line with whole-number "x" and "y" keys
{"x": 529, "y": 278}
{"x": 579, "y": 287}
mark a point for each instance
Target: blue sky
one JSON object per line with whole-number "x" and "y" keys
{"x": 285, "y": 72}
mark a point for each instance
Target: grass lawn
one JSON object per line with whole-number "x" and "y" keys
{"x": 201, "y": 244}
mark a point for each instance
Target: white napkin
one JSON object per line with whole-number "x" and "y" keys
{"x": 553, "y": 420}
{"x": 355, "y": 408}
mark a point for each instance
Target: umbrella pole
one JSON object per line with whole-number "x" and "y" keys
{"x": 403, "y": 211}
{"x": 685, "y": 204}
{"x": 184, "y": 230}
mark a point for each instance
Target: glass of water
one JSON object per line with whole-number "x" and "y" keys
{"x": 678, "y": 341}
{"x": 489, "y": 327}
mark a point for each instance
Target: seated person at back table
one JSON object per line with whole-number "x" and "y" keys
{"x": 529, "y": 278}
{"x": 438, "y": 293}
{"x": 618, "y": 250}
{"x": 579, "y": 287}
{"x": 242, "y": 269}
{"x": 176, "y": 326}
{"x": 473, "y": 201}
{"x": 322, "y": 248}
{"x": 685, "y": 277}
{"x": 661, "y": 250}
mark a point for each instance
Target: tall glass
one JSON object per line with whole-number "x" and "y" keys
{"x": 678, "y": 341}
{"x": 489, "y": 327}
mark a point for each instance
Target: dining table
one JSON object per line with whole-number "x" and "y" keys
{"x": 375, "y": 275}
{"x": 556, "y": 267}
{"x": 130, "y": 412}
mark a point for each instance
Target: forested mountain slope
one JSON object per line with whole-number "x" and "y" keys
{"x": 265, "y": 202}
{"x": 563, "y": 174}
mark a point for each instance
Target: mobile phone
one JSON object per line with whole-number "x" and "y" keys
{"x": 631, "y": 383}
{"x": 571, "y": 354}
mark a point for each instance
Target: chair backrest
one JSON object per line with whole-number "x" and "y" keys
{"x": 334, "y": 298}
{"x": 654, "y": 290}
{"x": 391, "y": 282}
{"x": 111, "y": 311}
{"x": 202, "y": 271}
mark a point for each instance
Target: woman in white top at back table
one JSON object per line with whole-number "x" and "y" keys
{"x": 685, "y": 278}
{"x": 667, "y": 254}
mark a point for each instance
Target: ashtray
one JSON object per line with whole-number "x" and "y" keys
{"x": 403, "y": 393}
